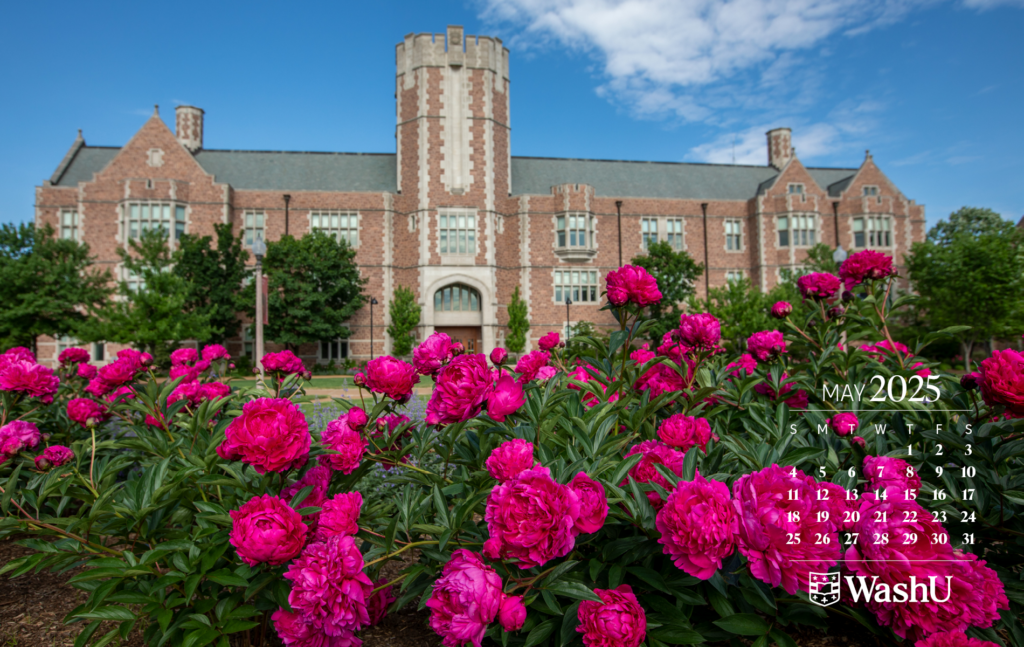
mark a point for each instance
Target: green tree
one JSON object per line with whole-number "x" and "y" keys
{"x": 214, "y": 277}
{"x": 970, "y": 271}
{"x": 48, "y": 285}
{"x": 676, "y": 273}
{"x": 742, "y": 310}
{"x": 151, "y": 313}
{"x": 315, "y": 288}
{"x": 405, "y": 316}
{"x": 518, "y": 324}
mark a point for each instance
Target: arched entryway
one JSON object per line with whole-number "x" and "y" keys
{"x": 458, "y": 314}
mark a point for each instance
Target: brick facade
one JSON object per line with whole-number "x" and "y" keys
{"x": 453, "y": 157}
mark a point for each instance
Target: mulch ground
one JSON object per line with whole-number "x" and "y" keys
{"x": 33, "y": 606}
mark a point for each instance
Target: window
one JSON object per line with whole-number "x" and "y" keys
{"x": 800, "y": 231}
{"x": 134, "y": 281}
{"x": 578, "y": 285}
{"x": 797, "y": 189}
{"x": 871, "y": 190}
{"x": 875, "y": 231}
{"x": 65, "y": 342}
{"x": 649, "y": 231}
{"x": 457, "y": 298}
{"x": 733, "y": 235}
{"x": 248, "y": 342}
{"x": 333, "y": 350}
{"x": 341, "y": 225}
{"x": 99, "y": 351}
{"x": 69, "y": 225}
{"x": 674, "y": 232}
{"x": 254, "y": 227}
{"x": 457, "y": 233}
{"x": 734, "y": 276}
{"x": 575, "y": 230}
{"x": 143, "y": 216}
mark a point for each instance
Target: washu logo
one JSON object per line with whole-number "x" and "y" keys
{"x": 825, "y": 589}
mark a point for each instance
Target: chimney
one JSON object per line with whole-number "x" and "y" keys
{"x": 780, "y": 147}
{"x": 188, "y": 127}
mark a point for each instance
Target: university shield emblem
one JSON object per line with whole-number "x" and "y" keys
{"x": 824, "y": 588}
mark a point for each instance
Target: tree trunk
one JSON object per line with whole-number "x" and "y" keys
{"x": 967, "y": 348}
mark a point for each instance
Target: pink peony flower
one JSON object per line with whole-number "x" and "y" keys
{"x": 617, "y": 622}
{"x": 498, "y": 356}
{"x": 505, "y": 399}
{"x": 184, "y": 356}
{"x": 642, "y": 355}
{"x": 795, "y": 400}
{"x": 701, "y": 331}
{"x": 867, "y": 265}
{"x": 587, "y": 373}
{"x": 545, "y": 373}
{"x": 512, "y": 613}
{"x": 120, "y": 394}
{"x": 54, "y": 456}
{"x": 138, "y": 361}
{"x": 86, "y": 412}
{"x": 819, "y": 285}
{"x": 743, "y": 367}
{"x": 893, "y": 475}
{"x": 654, "y": 453}
{"x": 952, "y": 639}
{"x": 593, "y": 503}
{"x": 329, "y": 587}
{"x": 380, "y": 600}
{"x": 340, "y": 515}
{"x": 529, "y": 364}
{"x": 767, "y": 531}
{"x": 549, "y": 341}
{"x": 782, "y": 309}
{"x": 86, "y": 371}
{"x": 283, "y": 363}
{"x": 34, "y": 380}
{"x": 22, "y": 353}
{"x": 838, "y": 502}
{"x": 214, "y": 352}
{"x": 462, "y": 388}
{"x": 435, "y": 351}
{"x": 188, "y": 374}
{"x": 16, "y": 436}
{"x": 342, "y": 437}
{"x": 392, "y": 377}
{"x": 766, "y": 345}
{"x": 509, "y": 459}
{"x": 532, "y": 517}
{"x": 632, "y": 284}
{"x": 271, "y": 435}
{"x": 684, "y": 432}
{"x": 466, "y": 598}
{"x": 844, "y": 423}
{"x": 295, "y": 630}
{"x": 981, "y": 608}
{"x": 1001, "y": 378}
{"x": 73, "y": 356}
{"x": 118, "y": 372}
{"x": 698, "y": 526}
{"x": 266, "y": 530}
{"x": 319, "y": 478}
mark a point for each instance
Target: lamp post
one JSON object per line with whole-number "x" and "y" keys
{"x": 373, "y": 302}
{"x": 618, "y": 208}
{"x": 287, "y": 199}
{"x": 568, "y": 328}
{"x": 259, "y": 250}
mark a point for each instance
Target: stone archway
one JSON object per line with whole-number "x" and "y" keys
{"x": 464, "y": 325}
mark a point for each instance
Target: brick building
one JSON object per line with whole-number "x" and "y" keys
{"x": 454, "y": 216}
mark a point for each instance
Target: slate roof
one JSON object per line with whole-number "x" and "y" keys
{"x": 376, "y": 172}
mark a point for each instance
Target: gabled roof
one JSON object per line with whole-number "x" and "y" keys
{"x": 377, "y": 172}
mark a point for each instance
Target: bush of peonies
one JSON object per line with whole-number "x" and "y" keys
{"x": 616, "y": 496}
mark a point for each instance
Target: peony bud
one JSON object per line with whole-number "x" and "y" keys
{"x": 359, "y": 379}
{"x": 835, "y": 312}
{"x": 969, "y": 381}
{"x": 498, "y": 356}
{"x": 782, "y": 309}
{"x": 512, "y": 613}
{"x": 42, "y": 464}
{"x": 356, "y": 418}
{"x": 458, "y": 348}
{"x": 848, "y": 296}
{"x": 859, "y": 442}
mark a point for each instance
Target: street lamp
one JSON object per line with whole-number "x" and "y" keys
{"x": 259, "y": 250}
{"x": 373, "y": 302}
{"x": 568, "y": 302}
{"x": 618, "y": 208}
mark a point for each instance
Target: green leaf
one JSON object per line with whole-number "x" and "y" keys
{"x": 743, "y": 624}
{"x": 540, "y": 633}
{"x": 571, "y": 589}
{"x": 108, "y": 613}
{"x": 441, "y": 507}
{"x": 674, "y": 635}
{"x": 570, "y": 620}
{"x": 227, "y": 578}
{"x": 690, "y": 463}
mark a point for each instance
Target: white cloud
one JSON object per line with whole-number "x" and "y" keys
{"x": 992, "y": 4}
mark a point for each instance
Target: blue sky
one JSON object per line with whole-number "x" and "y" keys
{"x": 934, "y": 89}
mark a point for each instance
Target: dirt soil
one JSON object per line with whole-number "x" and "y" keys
{"x": 33, "y": 606}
